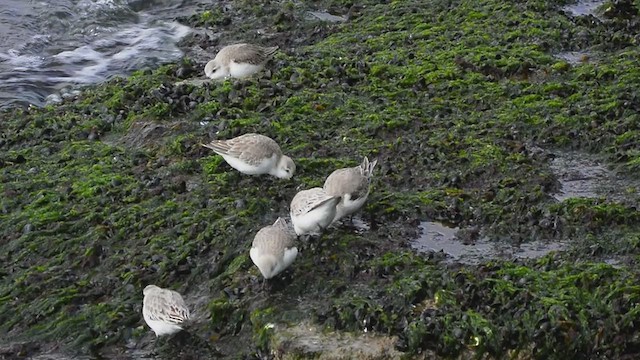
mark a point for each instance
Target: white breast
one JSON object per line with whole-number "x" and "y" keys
{"x": 160, "y": 327}
{"x": 242, "y": 70}
{"x": 269, "y": 265}
{"x": 263, "y": 168}
{"x": 315, "y": 220}
{"x": 289, "y": 257}
{"x": 346, "y": 206}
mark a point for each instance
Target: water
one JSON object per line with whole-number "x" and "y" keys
{"x": 435, "y": 236}
{"x": 579, "y": 176}
{"x": 584, "y": 7}
{"x": 584, "y": 176}
{"x": 49, "y": 45}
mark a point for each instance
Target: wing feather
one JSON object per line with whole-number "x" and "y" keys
{"x": 250, "y": 148}
{"x": 252, "y": 54}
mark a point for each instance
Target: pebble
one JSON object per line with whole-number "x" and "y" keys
{"x": 28, "y": 228}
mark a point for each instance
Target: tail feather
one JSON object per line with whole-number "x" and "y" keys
{"x": 194, "y": 319}
{"x": 215, "y": 146}
{"x": 269, "y": 51}
{"x": 367, "y": 167}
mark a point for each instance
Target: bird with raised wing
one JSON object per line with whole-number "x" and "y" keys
{"x": 312, "y": 211}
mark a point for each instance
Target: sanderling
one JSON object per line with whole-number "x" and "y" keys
{"x": 238, "y": 61}
{"x": 352, "y": 185}
{"x": 273, "y": 248}
{"x": 163, "y": 310}
{"x": 312, "y": 211}
{"x": 254, "y": 154}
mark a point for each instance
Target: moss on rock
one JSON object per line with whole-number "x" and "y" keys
{"x": 111, "y": 191}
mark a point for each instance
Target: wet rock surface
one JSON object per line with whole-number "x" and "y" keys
{"x": 308, "y": 341}
{"x": 110, "y": 190}
{"x": 465, "y": 246}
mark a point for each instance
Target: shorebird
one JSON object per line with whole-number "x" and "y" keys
{"x": 163, "y": 310}
{"x": 273, "y": 248}
{"x": 238, "y": 61}
{"x": 312, "y": 211}
{"x": 352, "y": 185}
{"x": 254, "y": 154}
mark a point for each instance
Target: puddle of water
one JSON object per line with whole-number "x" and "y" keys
{"x": 584, "y": 176}
{"x": 575, "y": 57}
{"x": 579, "y": 176}
{"x": 583, "y": 7}
{"x": 536, "y": 249}
{"x": 437, "y": 237}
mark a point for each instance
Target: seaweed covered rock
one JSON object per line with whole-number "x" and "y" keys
{"x": 463, "y": 104}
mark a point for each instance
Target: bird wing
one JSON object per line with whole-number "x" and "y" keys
{"x": 252, "y": 54}
{"x": 168, "y": 306}
{"x": 305, "y": 202}
{"x": 250, "y": 148}
{"x": 274, "y": 239}
{"x": 347, "y": 181}
{"x": 178, "y": 310}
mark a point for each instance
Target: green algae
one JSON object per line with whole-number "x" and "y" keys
{"x": 449, "y": 97}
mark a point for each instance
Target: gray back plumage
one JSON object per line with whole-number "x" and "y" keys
{"x": 246, "y": 53}
{"x": 275, "y": 239}
{"x": 250, "y": 148}
{"x": 354, "y": 181}
{"x": 307, "y": 200}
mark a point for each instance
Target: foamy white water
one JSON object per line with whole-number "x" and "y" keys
{"x": 49, "y": 45}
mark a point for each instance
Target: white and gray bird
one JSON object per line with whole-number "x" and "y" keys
{"x": 352, "y": 185}
{"x": 273, "y": 248}
{"x": 254, "y": 154}
{"x": 312, "y": 211}
{"x": 164, "y": 310}
{"x": 238, "y": 61}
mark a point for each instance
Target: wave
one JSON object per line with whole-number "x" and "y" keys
{"x": 88, "y": 43}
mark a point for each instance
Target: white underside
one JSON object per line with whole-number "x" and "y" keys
{"x": 268, "y": 265}
{"x": 347, "y": 207}
{"x": 243, "y": 70}
{"x": 265, "y": 167}
{"x": 315, "y": 220}
{"x": 161, "y": 328}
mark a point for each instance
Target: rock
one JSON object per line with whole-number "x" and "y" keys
{"x": 28, "y": 228}
{"x": 307, "y": 341}
{"x": 325, "y": 16}
{"x": 129, "y": 288}
{"x": 240, "y": 204}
